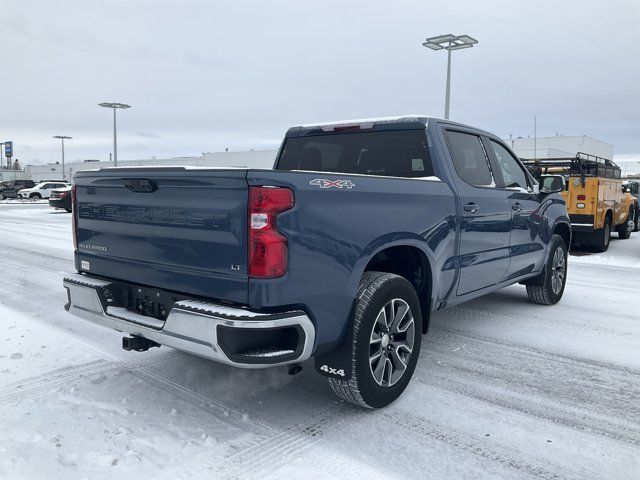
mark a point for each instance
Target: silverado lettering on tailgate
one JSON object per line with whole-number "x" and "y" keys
{"x": 177, "y": 217}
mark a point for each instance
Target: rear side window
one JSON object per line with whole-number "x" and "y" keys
{"x": 469, "y": 159}
{"x": 401, "y": 153}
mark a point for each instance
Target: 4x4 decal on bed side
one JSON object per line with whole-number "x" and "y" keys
{"x": 326, "y": 183}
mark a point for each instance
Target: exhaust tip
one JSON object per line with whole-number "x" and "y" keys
{"x": 295, "y": 369}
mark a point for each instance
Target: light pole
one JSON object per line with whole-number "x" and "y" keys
{"x": 449, "y": 42}
{"x": 62, "y": 139}
{"x": 115, "y": 140}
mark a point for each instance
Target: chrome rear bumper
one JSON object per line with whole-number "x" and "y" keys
{"x": 194, "y": 326}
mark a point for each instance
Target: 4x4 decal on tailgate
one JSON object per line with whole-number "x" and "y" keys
{"x": 326, "y": 183}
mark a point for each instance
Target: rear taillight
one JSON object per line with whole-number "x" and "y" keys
{"x": 582, "y": 197}
{"x": 268, "y": 249}
{"x": 62, "y": 195}
{"x": 74, "y": 216}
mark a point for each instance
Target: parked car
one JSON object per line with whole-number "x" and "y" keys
{"x": 61, "y": 199}
{"x": 9, "y": 189}
{"x": 341, "y": 252}
{"x": 632, "y": 187}
{"x": 41, "y": 190}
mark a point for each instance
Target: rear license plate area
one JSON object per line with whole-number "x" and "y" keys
{"x": 151, "y": 302}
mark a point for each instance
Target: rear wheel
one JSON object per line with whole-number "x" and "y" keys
{"x": 624, "y": 230}
{"x": 387, "y": 332}
{"x": 602, "y": 236}
{"x": 548, "y": 288}
{"x": 35, "y": 196}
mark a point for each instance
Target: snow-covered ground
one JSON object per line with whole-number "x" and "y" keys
{"x": 504, "y": 389}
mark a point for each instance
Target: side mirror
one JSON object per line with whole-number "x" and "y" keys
{"x": 552, "y": 183}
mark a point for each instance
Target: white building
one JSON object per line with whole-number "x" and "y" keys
{"x": 53, "y": 171}
{"x": 560, "y": 146}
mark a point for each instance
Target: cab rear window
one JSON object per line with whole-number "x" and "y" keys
{"x": 396, "y": 153}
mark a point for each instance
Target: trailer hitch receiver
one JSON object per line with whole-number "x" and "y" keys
{"x": 138, "y": 344}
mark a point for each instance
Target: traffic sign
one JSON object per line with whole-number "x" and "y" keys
{"x": 8, "y": 149}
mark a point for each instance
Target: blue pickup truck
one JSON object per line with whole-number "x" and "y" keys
{"x": 340, "y": 252}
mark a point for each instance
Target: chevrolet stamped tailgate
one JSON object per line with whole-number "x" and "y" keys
{"x": 177, "y": 228}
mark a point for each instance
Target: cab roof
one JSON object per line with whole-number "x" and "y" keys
{"x": 401, "y": 122}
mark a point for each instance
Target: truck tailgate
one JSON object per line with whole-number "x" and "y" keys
{"x": 176, "y": 228}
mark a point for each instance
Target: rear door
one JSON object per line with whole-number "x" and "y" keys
{"x": 485, "y": 211}
{"x": 45, "y": 190}
{"x": 174, "y": 228}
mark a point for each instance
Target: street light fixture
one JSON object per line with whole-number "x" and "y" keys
{"x": 115, "y": 106}
{"x": 449, "y": 42}
{"x": 62, "y": 138}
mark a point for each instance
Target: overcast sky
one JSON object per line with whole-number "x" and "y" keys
{"x": 205, "y": 75}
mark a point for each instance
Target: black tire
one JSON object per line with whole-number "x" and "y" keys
{"x": 602, "y": 237}
{"x": 378, "y": 290}
{"x": 543, "y": 289}
{"x": 35, "y": 196}
{"x": 624, "y": 230}
{"x": 68, "y": 210}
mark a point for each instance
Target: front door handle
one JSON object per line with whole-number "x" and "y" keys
{"x": 471, "y": 207}
{"x": 516, "y": 206}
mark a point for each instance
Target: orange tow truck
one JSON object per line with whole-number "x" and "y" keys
{"x": 596, "y": 201}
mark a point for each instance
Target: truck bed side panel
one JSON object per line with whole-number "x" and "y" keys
{"x": 333, "y": 233}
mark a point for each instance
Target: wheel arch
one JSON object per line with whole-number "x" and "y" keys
{"x": 564, "y": 230}
{"x": 411, "y": 262}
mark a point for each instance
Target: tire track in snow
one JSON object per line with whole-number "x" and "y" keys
{"x": 390, "y": 419}
{"x": 511, "y": 316}
{"x": 504, "y": 455}
{"x": 264, "y": 457}
{"x": 543, "y": 353}
{"x": 572, "y": 420}
{"x": 528, "y": 368}
{"x": 39, "y": 386}
{"x": 582, "y": 395}
{"x": 268, "y": 454}
{"x": 492, "y": 451}
{"x": 220, "y": 409}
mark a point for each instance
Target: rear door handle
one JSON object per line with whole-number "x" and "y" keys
{"x": 471, "y": 207}
{"x": 516, "y": 206}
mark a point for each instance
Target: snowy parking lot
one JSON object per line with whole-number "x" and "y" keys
{"x": 503, "y": 388}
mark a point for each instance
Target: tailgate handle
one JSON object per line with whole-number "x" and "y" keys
{"x": 140, "y": 185}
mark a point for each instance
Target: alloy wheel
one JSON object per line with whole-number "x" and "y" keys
{"x": 391, "y": 342}
{"x": 558, "y": 271}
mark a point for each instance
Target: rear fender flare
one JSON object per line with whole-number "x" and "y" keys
{"x": 339, "y": 358}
